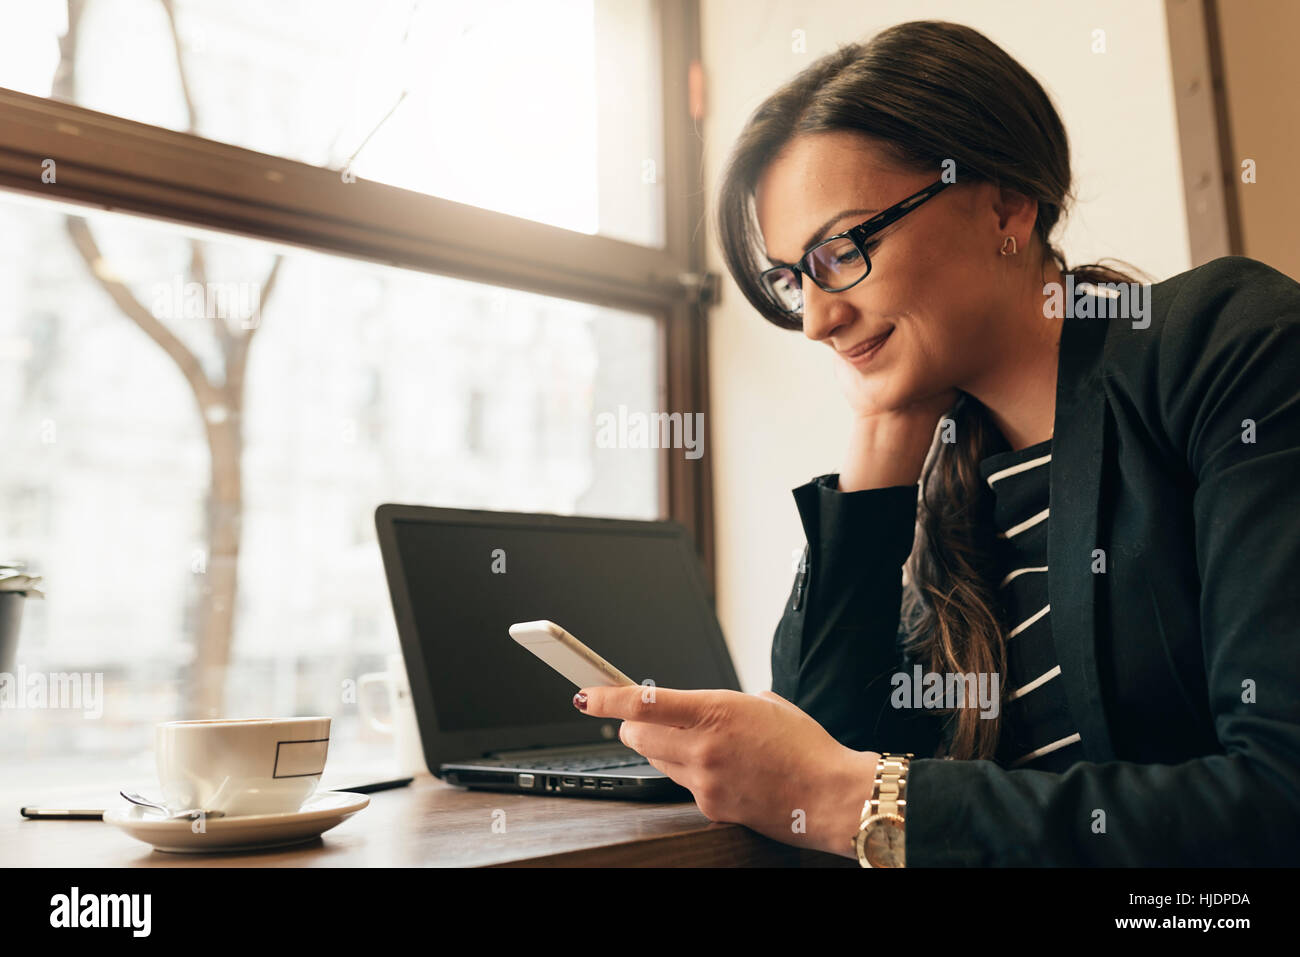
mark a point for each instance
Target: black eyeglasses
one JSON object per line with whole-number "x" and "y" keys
{"x": 837, "y": 263}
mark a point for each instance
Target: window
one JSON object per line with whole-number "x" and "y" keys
{"x": 363, "y": 384}
{"x": 548, "y": 111}
{"x": 208, "y": 390}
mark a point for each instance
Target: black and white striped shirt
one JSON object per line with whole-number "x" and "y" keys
{"x": 1038, "y": 731}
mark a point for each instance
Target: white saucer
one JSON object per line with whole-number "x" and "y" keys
{"x": 322, "y": 811}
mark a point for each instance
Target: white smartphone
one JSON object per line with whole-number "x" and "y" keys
{"x": 567, "y": 654}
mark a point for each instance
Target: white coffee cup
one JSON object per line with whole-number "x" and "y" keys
{"x": 408, "y": 751}
{"x": 241, "y": 765}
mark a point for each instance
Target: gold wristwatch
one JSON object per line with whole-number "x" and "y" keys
{"x": 879, "y": 841}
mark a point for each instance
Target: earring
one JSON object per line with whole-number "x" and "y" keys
{"x": 1008, "y": 246}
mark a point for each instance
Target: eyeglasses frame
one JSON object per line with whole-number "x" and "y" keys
{"x": 859, "y": 235}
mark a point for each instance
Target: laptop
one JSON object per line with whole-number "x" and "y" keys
{"x": 491, "y": 715}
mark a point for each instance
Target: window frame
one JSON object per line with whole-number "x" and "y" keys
{"x": 107, "y": 162}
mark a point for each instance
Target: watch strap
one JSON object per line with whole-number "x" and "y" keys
{"x": 889, "y": 790}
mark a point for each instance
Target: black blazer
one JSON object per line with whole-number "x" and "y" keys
{"x": 1181, "y": 662}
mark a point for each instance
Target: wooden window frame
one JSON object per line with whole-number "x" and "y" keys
{"x": 1204, "y": 133}
{"x": 110, "y": 163}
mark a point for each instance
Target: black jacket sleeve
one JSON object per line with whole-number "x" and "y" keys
{"x": 838, "y": 642}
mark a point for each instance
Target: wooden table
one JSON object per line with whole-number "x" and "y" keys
{"x": 432, "y": 824}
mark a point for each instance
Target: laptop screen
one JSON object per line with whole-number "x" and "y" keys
{"x": 632, "y": 592}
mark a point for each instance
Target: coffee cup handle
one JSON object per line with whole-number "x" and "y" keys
{"x": 367, "y": 714}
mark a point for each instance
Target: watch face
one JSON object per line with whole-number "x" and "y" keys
{"x": 884, "y": 843}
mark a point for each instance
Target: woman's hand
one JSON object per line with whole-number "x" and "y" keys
{"x": 888, "y": 447}
{"x": 751, "y": 759}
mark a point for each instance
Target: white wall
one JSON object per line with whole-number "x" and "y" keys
{"x": 778, "y": 417}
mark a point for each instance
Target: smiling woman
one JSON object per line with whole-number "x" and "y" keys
{"x": 896, "y": 201}
{"x": 944, "y": 312}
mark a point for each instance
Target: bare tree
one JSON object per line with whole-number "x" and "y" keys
{"x": 219, "y": 399}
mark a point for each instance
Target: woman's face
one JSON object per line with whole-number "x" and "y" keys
{"x": 938, "y": 284}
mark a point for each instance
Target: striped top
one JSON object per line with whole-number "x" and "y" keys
{"x": 1038, "y": 731}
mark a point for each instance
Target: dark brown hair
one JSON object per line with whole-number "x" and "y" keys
{"x": 926, "y": 91}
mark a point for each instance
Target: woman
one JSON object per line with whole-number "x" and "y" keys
{"x": 1104, "y": 554}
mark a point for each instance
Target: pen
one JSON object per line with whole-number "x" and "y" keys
{"x": 378, "y": 786}
{"x": 62, "y": 814}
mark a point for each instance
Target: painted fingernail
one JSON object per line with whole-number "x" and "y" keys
{"x": 580, "y": 701}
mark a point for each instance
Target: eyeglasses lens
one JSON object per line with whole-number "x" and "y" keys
{"x": 833, "y": 265}
{"x": 786, "y": 289}
{"x": 836, "y": 264}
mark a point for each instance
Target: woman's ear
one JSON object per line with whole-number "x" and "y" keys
{"x": 1016, "y": 214}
